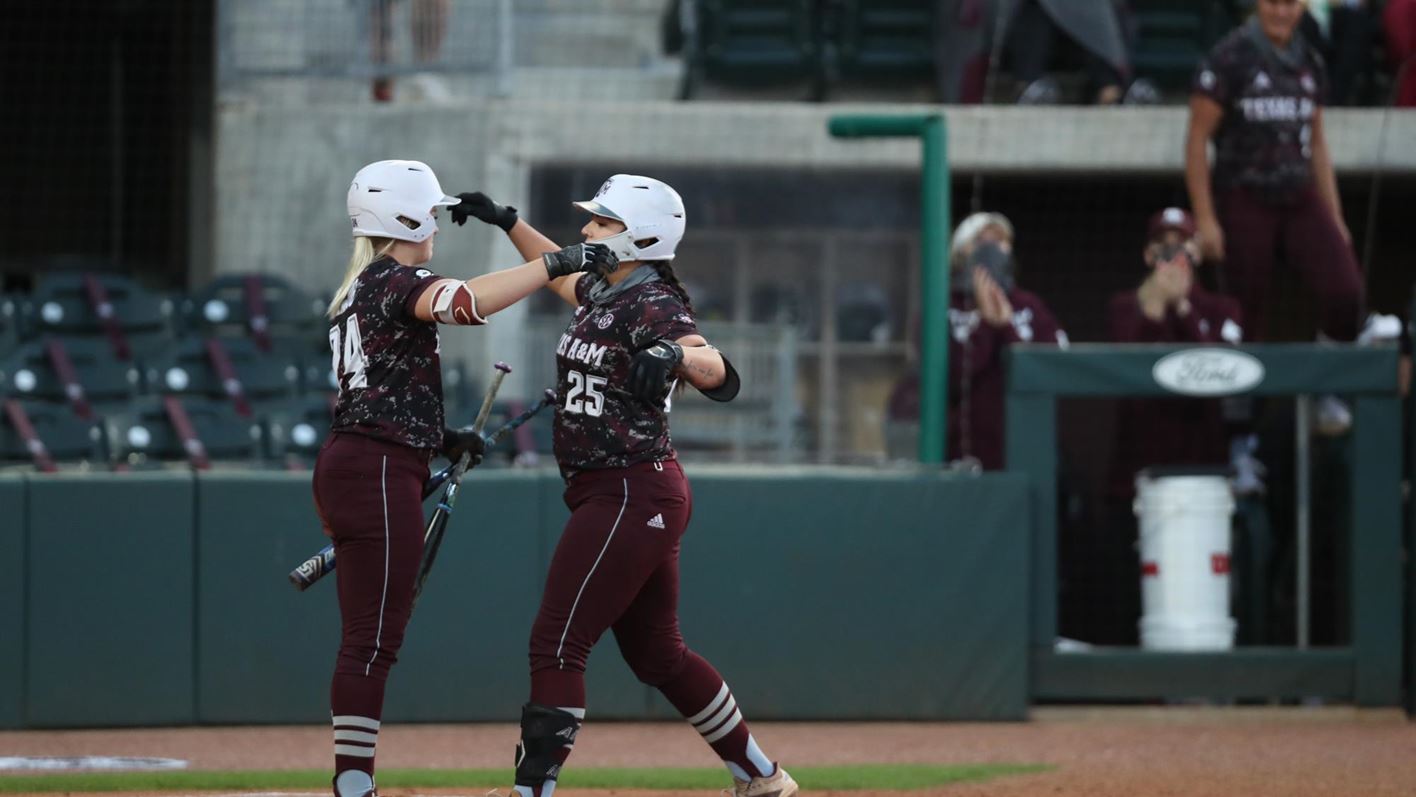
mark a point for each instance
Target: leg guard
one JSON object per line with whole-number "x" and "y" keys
{"x": 546, "y": 733}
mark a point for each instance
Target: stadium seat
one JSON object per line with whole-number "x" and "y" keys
{"x": 69, "y": 305}
{"x": 752, "y": 42}
{"x": 265, "y": 307}
{"x": 31, "y": 372}
{"x": 874, "y": 39}
{"x": 189, "y": 369}
{"x": 66, "y": 437}
{"x": 147, "y": 434}
{"x": 9, "y": 325}
{"x": 295, "y": 432}
{"x": 1173, "y": 35}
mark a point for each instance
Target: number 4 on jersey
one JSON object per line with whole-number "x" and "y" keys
{"x": 348, "y": 360}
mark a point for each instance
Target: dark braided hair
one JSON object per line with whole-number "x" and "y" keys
{"x": 665, "y": 270}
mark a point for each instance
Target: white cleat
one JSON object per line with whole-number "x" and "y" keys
{"x": 778, "y": 784}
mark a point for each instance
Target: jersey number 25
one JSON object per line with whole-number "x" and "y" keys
{"x": 348, "y": 360}
{"x": 585, "y": 395}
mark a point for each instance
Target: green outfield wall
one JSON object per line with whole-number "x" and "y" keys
{"x": 152, "y": 599}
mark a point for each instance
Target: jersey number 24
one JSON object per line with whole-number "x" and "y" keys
{"x": 348, "y": 360}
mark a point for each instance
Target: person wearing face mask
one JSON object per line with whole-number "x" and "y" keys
{"x": 1169, "y": 306}
{"x": 1099, "y": 561}
{"x": 988, "y": 312}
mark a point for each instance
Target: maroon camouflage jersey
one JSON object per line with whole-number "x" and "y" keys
{"x": 1264, "y": 140}
{"x": 390, "y": 379}
{"x": 598, "y": 424}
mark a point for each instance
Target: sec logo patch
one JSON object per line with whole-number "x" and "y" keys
{"x": 605, "y": 321}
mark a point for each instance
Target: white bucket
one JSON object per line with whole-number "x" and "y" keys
{"x": 1185, "y": 562}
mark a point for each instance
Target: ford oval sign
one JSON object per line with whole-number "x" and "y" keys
{"x": 1208, "y": 372}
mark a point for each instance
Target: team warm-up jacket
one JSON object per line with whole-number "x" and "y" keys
{"x": 1165, "y": 431}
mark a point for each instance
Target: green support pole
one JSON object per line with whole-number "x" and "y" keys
{"x": 934, "y": 260}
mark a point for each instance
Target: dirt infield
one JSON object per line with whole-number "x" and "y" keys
{"x": 1327, "y": 752}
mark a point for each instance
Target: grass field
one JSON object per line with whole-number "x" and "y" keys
{"x": 834, "y": 778}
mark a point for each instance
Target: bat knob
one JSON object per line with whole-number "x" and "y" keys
{"x": 549, "y": 394}
{"x": 503, "y": 367}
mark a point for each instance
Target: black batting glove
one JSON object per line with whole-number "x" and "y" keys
{"x": 479, "y": 205}
{"x": 457, "y": 442}
{"x": 650, "y": 369}
{"x": 591, "y": 258}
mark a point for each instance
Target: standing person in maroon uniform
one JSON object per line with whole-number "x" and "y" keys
{"x": 388, "y": 424}
{"x": 1168, "y": 306}
{"x": 1272, "y": 190}
{"x": 632, "y": 339}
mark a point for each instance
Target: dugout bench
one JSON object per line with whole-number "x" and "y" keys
{"x": 1367, "y": 672}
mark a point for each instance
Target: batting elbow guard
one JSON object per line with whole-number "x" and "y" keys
{"x": 731, "y": 383}
{"x": 454, "y": 303}
{"x": 545, "y": 732}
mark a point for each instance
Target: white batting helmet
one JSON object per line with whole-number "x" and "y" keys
{"x": 651, "y": 211}
{"x": 969, "y": 229}
{"x": 394, "y": 199}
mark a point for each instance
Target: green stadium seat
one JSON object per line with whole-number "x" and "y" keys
{"x": 875, "y": 39}
{"x": 30, "y": 373}
{"x": 293, "y": 319}
{"x": 188, "y": 370}
{"x": 1173, "y": 35}
{"x": 68, "y": 438}
{"x": 752, "y": 42}
{"x": 9, "y": 325}
{"x": 146, "y": 434}
{"x": 61, "y": 306}
{"x": 294, "y": 432}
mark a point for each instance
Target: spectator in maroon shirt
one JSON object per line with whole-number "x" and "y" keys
{"x": 988, "y": 312}
{"x": 1399, "y": 25}
{"x": 1169, "y": 306}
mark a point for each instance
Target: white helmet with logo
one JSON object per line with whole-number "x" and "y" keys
{"x": 394, "y": 199}
{"x": 651, "y": 211}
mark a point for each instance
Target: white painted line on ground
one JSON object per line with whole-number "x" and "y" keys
{"x": 54, "y": 763}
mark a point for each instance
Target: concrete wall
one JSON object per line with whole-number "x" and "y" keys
{"x": 281, "y": 172}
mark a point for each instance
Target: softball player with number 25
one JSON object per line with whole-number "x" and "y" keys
{"x": 616, "y": 568}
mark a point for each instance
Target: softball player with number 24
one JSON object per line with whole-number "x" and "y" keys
{"x": 388, "y": 424}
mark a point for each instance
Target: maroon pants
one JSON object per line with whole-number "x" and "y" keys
{"x": 615, "y": 567}
{"x": 1313, "y": 249}
{"x": 370, "y": 498}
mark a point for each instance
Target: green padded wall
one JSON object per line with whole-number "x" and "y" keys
{"x": 464, "y": 656}
{"x": 12, "y": 601}
{"x": 110, "y": 599}
{"x": 264, "y": 651}
{"x": 819, "y": 594}
{"x": 848, "y": 596}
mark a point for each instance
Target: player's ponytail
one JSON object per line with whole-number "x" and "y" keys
{"x": 665, "y": 269}
{"x": 366, "y": 251}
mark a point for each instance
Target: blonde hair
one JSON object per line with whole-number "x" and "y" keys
{"x": 366, "y": 251}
